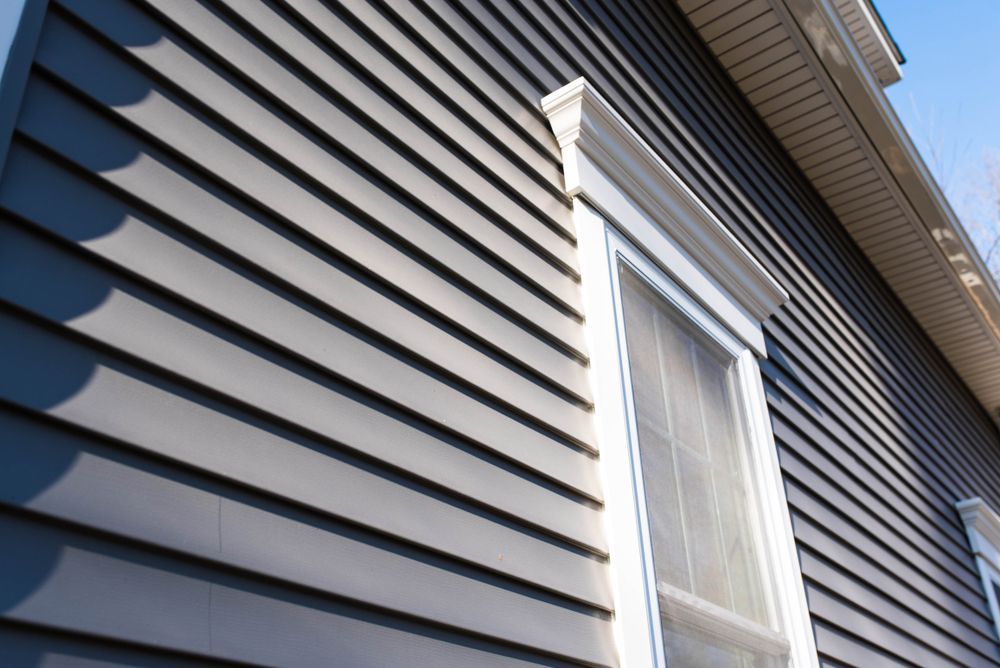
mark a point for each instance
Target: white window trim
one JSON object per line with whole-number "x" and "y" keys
{"x": 982, "y": 525}
{"x": 626, "y": 197}
{"x": 686, "y": 608}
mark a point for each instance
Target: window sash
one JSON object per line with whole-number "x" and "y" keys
{"x": 620, "y": 185}
{"x": 687, "y": 610}
{"x": 673, "y": 603}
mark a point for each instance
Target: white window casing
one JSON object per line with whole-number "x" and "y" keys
{"x": 630, "y": 207}
{"x": 982, "y": 525}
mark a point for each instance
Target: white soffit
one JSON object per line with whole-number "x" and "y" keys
{"x": 872, "y": 40}
{"x": 799, "y": 64}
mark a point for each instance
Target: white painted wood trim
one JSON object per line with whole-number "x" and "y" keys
{"x": 982, "y": 525}
{"x": 638, "y": 635}
{"x": 790, "y": 606}
{"x": 612, "y": 167}
{"x": 772, "y": 530}
{"x": 989, "y": 577}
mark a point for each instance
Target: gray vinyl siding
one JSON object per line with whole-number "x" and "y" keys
{"x": 293, "y": 363}
{"x": 876, "y": 435}
{"x": 294, "y": 366}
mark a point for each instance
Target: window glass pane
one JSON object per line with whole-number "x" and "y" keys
{"x": 651, "y": 414}
{"x": 688, "y": 649}
{"x": 691, "y": 444}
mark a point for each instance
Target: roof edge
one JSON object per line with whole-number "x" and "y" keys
{"x": 871, "y": 38}
{"x": 847, "y": 72}
{"x": 884, "y": 28}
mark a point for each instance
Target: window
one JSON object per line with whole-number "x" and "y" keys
{"x": 982, "y": 525}
{"x": 692, "y": 442}
{"x": 702, "y": 555}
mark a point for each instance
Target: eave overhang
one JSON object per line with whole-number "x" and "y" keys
{"x": 872, "y": 39}
{"x": 802, "y": 67}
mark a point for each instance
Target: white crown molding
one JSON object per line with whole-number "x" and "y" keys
{"x": 592, "y": 134}
{"x": 983, "y": 527}
{"x": 630, "y": 208}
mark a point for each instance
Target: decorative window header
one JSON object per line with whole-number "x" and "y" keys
{"x": 613, "y": 168}
{"x": 983, "y": 527}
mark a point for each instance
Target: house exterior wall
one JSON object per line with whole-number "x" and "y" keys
{"x": 294, "y": 362}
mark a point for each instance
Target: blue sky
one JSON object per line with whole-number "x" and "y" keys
{"x": 949, "y": 98}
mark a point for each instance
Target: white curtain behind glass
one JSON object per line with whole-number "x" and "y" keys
{"x": 690, "y": 446}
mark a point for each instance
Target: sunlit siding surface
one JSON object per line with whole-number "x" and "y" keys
{"x": 294, "y": 368}
{"x": 293, "y": 354}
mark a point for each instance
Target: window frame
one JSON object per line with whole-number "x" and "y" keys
{"x": 690, "y": 609}
{"x": 626, "y": 200}
{"x": 982, "y": 526}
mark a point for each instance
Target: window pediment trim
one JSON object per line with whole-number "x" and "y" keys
{"x": 983, "y": 528}
{"x": 598, "y": 147}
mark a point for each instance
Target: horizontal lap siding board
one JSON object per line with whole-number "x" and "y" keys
{"x": 302, "y": 284}
{"x": 294, "y": 363}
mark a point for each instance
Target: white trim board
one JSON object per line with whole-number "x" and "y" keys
{"x": 983, "y": 528}
{"x": 638, "y": 635}
{"x": 629, "y": 204}
{"x": 606, "y": 162}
